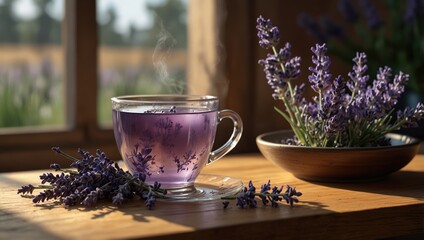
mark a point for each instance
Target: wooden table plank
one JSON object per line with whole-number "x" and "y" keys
{"x": 390, "y": 207}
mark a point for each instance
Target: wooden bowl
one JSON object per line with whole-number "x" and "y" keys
{"x": 338, "y": 164}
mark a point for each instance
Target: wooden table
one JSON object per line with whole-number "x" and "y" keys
{"x": 390, "y": 207}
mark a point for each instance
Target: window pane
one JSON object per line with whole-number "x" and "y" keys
{"x": 143, "y": 49}
{"x": 31, "y": 63}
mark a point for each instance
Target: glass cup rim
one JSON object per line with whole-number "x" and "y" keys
{"x": 163, "y": 98}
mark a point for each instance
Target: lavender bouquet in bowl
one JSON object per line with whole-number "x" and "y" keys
{"x": 345, "y": 112}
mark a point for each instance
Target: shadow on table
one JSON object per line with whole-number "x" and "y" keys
{"x": 403, "y": 183}
{"x": 189, "y": 214}
{"x": 15, "y": 227}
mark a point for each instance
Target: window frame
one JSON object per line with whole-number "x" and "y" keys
{"x": 30, "y": 150}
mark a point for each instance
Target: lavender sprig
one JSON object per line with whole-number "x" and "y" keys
{"x": 268, "y": 33}
{"x": 345, "y": 113}
{"x": 247, "y": 197}
{"x": 95, "y": 178}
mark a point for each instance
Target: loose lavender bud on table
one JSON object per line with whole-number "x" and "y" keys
{"x": 246, "y": 197}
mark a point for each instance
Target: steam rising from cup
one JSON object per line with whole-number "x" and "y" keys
{"x": 163, "y": 49}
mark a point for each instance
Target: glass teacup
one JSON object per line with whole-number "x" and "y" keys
{"x": 169, "y": 138}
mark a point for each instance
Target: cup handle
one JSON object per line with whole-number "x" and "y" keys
{"x": 235, "y": 136}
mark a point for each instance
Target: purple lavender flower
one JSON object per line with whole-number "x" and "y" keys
{"x": 275, "y": 198}
{"x": 335, "y": 124}
{"x": 27, "y": 189}
{"x": 285, "y": 53}
{"x": 291, "y": 194}
{"x": 320, "y": 76}
{"x": 91, "y": 198}
{"x": 89, "y": 177}
{"x": 298, "y": 94}
{"x": 247, "y": 197}
{"x": 292, "y": 68}
{"x": 264, "y": 189}
{"x": 281, "y": 68}
{"x": 383, "y": 95}
{"x": 358, "y": 75}
{"x": 48, "y": 178}
{"x": 268, "y": 34}
{"x": 274, "y": 74}
{"x": 407, "y": 114}
{"x": 43, "y": 196}
{"x": 70, "y": 200}
{"x": 278, "y": 67}
{"x": 409, "y": 117}
{"x": 118, "y": 199}
{"x": 398, "y": 86}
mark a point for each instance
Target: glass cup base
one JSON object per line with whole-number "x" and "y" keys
{"x": 207, "y": 187}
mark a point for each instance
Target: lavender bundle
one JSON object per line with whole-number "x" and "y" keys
{"x": 93, "y": 178}
{"x": 345, "y": 112}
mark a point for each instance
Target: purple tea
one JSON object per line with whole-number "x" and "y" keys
{"x": 170, "y": 147}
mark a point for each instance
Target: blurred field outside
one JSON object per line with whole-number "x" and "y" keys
{"x": 30, "y": 90}
{"x": 31, "y": 93}
{"x": 132, "y": 59}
